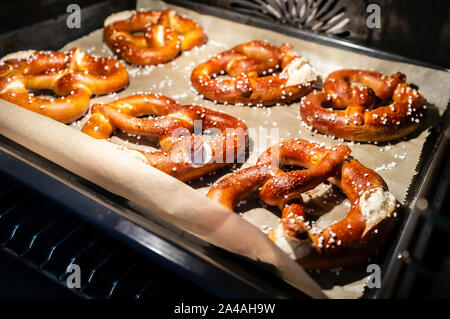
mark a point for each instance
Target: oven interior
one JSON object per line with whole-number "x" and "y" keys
{"x": 40, "y": 237}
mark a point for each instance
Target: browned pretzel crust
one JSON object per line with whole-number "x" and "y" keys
{"x": 166, "y": 34}
{"x": 74, "y": 76}
{"x": 173, "y": 126}
{"x": 381, "y": 108}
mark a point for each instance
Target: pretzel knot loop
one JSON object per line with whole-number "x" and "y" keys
{"x": 165, "y": 35}
{"x": 374, "y": 107}
{"x": 351, "y": 240}
{"x": 74, "y": 76}
{"x": 261, "y": 74}
{"x": 183, "y": 155}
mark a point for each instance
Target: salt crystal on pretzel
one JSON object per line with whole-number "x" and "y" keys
{"x": 353, "y": 239}
{"x": 261, "y": 74}
{"x": 364, "y": 106}
{"x": 183, "y": 155}
{"x": 73, "y": 76}
{"x": 166, "y": 34}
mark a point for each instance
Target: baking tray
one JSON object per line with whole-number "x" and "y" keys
{"x": 215, "y": 269}
{"x": 219, "y": 271}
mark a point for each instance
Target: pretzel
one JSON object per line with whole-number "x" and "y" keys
{"x": 183, "y": 156}
{"x": 261, "y": 74}
{"x": 166, "y": 34}
{"x": 382, "y": 108}
{"x": 74, "y": 76}
{"x": 349, "y": 241}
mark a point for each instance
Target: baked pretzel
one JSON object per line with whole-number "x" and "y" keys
{"x": 261, "y": 74}
{"x": 349, "y": 241}
{"x": 183, "y": 156}
{"x": 380, "y": 108}
{"x": 166, "y": 34}
{"x": 74, "y": 76}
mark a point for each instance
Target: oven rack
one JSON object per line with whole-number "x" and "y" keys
{"x": 48, "y": 239}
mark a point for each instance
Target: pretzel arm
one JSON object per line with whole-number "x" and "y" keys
{"x": 233, "y": 188}
{"x": 101, "y": 75}
{"x": 63, "y": 109}
{"x": 192, "y": 33}
{"x": 72, "y": 76}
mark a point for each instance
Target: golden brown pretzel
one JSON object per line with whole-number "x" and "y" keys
{"x": 173, "y": 127}
{"x": 74, "y": 76}
{"x": 253, "y": 67}
{"x": 381, "y": 108}
{"x": 345, "y": 242}
{"x": 166, "y": 34}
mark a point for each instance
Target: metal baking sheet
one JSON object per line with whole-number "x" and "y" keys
{"x": 106, "y": 200}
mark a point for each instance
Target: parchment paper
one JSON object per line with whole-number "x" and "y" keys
{"x": 103, "y": 164}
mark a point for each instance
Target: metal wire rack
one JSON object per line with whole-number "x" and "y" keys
{"x": 47, "y": 238}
